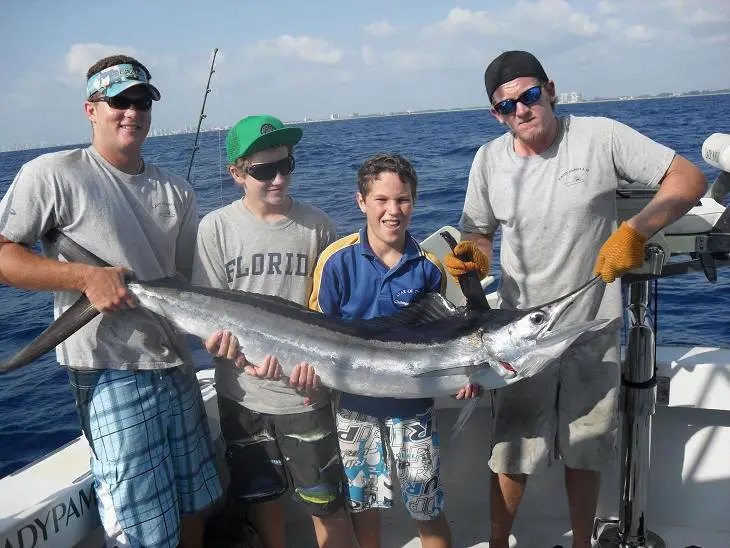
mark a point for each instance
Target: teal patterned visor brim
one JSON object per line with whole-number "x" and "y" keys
{"x": 114, "y": 80}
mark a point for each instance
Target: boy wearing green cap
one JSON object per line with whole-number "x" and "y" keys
{"x": 280, "y": 433}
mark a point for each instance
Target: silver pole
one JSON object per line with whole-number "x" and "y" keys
{"x": 638, "y": 403}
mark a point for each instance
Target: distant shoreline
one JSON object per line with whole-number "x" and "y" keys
{"x": 619, "y": 100}
{"x": 465, "y": 109}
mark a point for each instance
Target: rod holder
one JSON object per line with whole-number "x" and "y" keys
{"x": 637, "y": 404}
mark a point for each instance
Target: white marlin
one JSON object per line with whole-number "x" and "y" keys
{"x": 429, "y": 349}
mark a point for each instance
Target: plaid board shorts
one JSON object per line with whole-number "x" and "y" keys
{"x": 152, "y": 456}
{"x": 368, "y": 445}
{"x": 268, "y": 455}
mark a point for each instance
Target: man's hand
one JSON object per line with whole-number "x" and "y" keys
{"x": 623, "y": 251}
{"x": 223, "y": 344}
{"x": 469, "y": 391}
{"x": 106, "y": 289}
{"x": 269, "y": 369}
{"x": 467, "y": 257}
{"x": 304, "y": 377}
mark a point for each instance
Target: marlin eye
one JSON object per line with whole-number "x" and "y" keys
{"x": 537, "y": 318}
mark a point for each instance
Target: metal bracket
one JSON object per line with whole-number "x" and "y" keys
{"x": 713, "y": 242}
{"x": 676, "y": 269}
{"x": 662, "y": 390}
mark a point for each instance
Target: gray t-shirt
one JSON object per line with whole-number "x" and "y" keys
{"x": 238, "y": 250}
{"x": 146, "y": 223}
{"x": 556, "y": 209}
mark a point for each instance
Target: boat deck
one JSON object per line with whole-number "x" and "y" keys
{"x": 542, "y": 520}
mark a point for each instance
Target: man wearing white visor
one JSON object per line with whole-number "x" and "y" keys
{"x": 131, "y": 374}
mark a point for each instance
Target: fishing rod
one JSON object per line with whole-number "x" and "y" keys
{"x": 202, "y": 113}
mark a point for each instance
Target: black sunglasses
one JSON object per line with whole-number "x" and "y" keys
{"x": 527, "y": 98}
{"x": 120, "y": 102}
{"x": 266, "y": 172}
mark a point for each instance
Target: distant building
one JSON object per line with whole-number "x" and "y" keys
{"x": 570, "y": 97}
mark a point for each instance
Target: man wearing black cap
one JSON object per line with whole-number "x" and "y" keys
{"x": 549, "y": 183}
{"x": 132, "y": 376}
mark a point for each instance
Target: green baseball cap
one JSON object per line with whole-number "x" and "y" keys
{"x": 259, "y": 132}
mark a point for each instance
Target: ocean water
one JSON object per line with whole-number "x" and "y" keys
{"x": 36, "y": 407}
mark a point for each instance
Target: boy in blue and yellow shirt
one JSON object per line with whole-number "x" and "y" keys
{"x": 374, "y": 272}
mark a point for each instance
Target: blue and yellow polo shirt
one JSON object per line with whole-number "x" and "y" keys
{"x": 351, "y": 282}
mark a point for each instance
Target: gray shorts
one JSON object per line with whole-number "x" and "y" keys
{"x": 568, "y": 411}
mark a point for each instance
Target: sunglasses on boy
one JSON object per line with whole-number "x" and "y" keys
{"x": 120, "y": 102}
{"x": 267, "y": 172}
{"x": 527, "y": 98}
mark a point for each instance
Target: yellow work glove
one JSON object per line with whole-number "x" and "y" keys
{"x": 623, "y": 251}
{"x": 466, "y": 257}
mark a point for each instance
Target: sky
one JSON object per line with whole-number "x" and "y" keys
{"x": 311, "y": 58}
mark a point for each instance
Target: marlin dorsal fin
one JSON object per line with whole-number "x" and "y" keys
{"x": 424, "y": 309}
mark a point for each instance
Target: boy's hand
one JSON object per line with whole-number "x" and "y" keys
{"x": 224, "y": 344}
{"x": 466, "y": 257}
{"x": 269, "y": 369}
{"x": 469, "y": 391}
{"x": 304, "y": 377}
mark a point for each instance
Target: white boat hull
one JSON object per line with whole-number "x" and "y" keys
{"x": 50, "y": 503}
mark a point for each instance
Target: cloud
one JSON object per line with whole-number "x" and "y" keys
{"x": 81, "y": 56}
{"x": 718, "y": 39}
{"x": 402, "y": 60}
{"x": 638, "y": 33}
{"x": 171, "y": 62}
{"x": 559, "y": 14}
{"x": 691, "y": 14}
{"x": 460, "y": 21}
{"x": 368, "y": 57}
{"x": 702, "y": 17}
{"x": 674, "y": 4}
{"x": 344, "y": 77}
{"x": 614, "y": 23}
{"x": 581, "y": 24}
{"x": 304, "y": 48}
{"x": 380, "y": 28}
{"x": 606, "y": 8}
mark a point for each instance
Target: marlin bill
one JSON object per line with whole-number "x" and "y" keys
{"x": 429, "y": 349}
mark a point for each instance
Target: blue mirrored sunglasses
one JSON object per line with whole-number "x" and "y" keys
{"x": 527, "y": 98}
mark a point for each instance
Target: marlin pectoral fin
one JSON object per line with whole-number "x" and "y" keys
{"x": 78, "y": 315}
{"x": 551, "y": 347}
{"x": 464, "y": 415}
{"x": 447, "y": 372}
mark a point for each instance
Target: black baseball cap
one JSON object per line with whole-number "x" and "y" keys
{"x": 510, "y": 65}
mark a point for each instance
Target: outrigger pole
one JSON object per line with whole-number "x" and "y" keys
{"x": 202, "y": 113}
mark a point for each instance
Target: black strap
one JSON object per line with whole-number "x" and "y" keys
{"x": 469, "y": 282}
